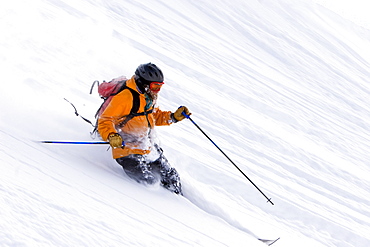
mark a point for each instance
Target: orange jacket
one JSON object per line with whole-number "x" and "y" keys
{"x": 136, "y": 132}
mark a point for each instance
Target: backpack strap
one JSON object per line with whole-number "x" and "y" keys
{"x": 135, "y": 96}
{"x": 135, "y": 101}
{"x": 134, "y": 108}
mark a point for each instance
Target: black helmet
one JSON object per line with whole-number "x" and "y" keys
{"x": 149, "y": 72}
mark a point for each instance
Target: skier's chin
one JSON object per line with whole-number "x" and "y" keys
{"x": 153, "y": 95}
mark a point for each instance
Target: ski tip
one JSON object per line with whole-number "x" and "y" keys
{"x": 268, "y": 241}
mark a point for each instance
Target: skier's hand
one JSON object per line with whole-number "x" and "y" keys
{"x": 178, "y": 113}
{"x": 115, "y": 140}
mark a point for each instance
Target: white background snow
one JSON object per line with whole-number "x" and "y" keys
{"x": 281, "y": 86}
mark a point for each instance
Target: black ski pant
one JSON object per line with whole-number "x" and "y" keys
{"x": 138, "y": 168}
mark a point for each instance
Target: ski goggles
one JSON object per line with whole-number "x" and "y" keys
{"x": 155, "y": 86}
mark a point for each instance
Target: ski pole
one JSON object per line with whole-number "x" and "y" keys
{"x": 77, "y": 114}
{"x": 71, "y": 142}
{"x": 188, "y": 117}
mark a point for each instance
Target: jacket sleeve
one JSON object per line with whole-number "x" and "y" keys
{"x": 119, "y": 106}
{"x": 162, "y": 117}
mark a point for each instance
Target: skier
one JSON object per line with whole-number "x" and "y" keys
{"x": 131, "y": 133}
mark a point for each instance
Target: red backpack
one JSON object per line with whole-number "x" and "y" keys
{"x": 107, "y": 90}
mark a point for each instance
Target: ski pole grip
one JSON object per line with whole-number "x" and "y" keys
{"x": 183, "y": 113}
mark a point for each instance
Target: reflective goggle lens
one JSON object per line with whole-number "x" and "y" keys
{"x": 156, "y": 86}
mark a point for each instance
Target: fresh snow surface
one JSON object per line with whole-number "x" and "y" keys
{"x": 281, "y": 86}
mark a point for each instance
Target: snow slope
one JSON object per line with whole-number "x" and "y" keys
{"x": 281, "y": 86}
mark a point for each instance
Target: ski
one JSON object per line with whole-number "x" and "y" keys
{"x": 269, "y": 242}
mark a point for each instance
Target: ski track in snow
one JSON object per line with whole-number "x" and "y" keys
{"x": 282, "y": 87}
